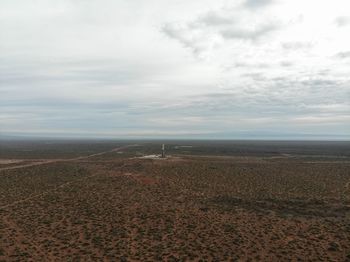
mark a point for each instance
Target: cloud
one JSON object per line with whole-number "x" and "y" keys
{"x": 286, "y": 63}
{"x": 202, "y": 67}
{"x": 255, "y": 4}
{"x": 192, "y": 39}
{"x": 211, "y": 30}
{"x": 342, "y": 21}
{"x": 343, "y": 55}
{"x": 214, "y": 18}
{"x": 297, "y": 45}
{"x": 321, "y": 119}
{"x": 252, "y": 33}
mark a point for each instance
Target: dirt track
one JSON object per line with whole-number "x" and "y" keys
{"x": 45, "y": 162}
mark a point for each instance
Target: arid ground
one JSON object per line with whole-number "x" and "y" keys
{"x": 207, "y": 201}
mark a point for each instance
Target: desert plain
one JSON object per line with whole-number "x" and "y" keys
{"x": 205, "y": 201}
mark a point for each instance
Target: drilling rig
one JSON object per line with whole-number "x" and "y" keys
{"x": 163, "y": 151}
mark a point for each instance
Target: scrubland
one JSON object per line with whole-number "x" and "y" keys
{"x": 189, "y": 207}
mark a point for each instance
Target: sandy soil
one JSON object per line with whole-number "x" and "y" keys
{"x": 9, "y": 161}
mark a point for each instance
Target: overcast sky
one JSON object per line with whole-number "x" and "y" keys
{"x": 270, "y": 69}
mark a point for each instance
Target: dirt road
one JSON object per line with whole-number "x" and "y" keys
{"x": 50, "y": 161}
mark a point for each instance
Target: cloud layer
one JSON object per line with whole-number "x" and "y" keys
{"x": 177, "y": 69}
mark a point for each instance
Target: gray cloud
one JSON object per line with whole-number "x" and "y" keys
{"x": 185, "y": 38}
{"x": 254, "y": 4}
{"x": 286, "y": 63}
{"x": 212, "y": 28}
{"x": 213, "y": 18}
{"x": 343, "y": 55}
{"x": 342, "y": 21}
{"x": 253, "y": 33}
{"x": 296, "y": 45}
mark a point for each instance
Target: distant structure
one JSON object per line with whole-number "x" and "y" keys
{"x": 163, "y": 151}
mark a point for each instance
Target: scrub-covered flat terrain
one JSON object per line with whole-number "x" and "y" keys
{"x": 240, "y": 201}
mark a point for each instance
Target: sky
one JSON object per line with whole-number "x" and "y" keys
{"x": 250, "y": 69}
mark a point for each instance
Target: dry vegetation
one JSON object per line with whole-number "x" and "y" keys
{"x": 116, "y": 207}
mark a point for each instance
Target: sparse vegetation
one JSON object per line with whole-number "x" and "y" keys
{"x": 196, "y": 208}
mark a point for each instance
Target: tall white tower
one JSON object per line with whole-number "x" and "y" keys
{"x": 163, "y": 151}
